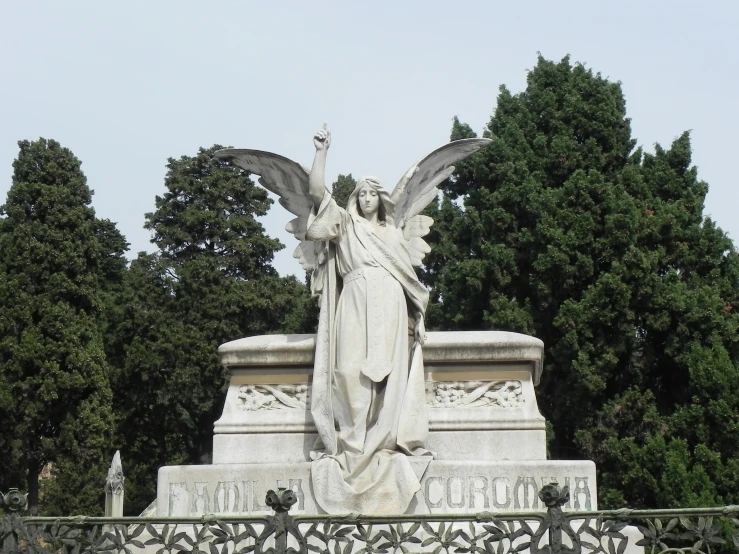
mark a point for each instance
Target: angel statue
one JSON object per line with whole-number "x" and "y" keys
{"x": 368, "y": 398}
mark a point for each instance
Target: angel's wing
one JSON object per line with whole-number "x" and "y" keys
{"x": 418, "y": 188}
{"x": 288, "y": 180}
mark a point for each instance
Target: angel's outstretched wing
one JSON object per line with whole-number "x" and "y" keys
{"x": 288, "y": 180}
{"x": 418, "y": 188}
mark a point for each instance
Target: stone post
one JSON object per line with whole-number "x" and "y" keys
{"x": 114, "y": 488}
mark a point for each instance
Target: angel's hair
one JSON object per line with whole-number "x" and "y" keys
{"x": 387, "y": 206}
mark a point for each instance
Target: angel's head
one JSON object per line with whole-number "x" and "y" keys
{"x": 369, "y": 197}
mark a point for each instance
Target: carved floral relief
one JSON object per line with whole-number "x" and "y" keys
{"x": 474, "y": 394}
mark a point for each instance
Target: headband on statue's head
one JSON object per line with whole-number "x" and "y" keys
{"x": 374, "y": 182}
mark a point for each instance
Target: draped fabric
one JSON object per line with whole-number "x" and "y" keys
{"x": 368, "y": 400}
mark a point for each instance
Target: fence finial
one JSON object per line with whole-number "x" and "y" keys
{"x": 114, "y": 492}
{"x": 14, "y": 501}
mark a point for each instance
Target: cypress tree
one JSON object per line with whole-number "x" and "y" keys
{"x": 563, "y": 229}
{"x": 55, "y": 260}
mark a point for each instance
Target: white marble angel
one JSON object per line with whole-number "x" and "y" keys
{"x": 368, "y": 397}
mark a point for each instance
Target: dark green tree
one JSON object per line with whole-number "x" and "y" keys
{"x": 342, "y": 189}
{"x": 159, "y": 393}
{"x": 56, "y": 260}
{"x": 211, "y": 282}
{"x": 570, "y": 234}
{"x": 675, "y": 417}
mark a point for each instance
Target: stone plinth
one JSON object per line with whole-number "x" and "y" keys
{"x": 484, "y": 428}
{"x": 479, "y": 388}
{"x": 447, "y": 487}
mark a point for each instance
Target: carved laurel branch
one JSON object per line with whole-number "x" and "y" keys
{"x": 274, "y": 397}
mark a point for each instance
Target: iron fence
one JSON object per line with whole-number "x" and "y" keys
{"x": 683, "y": 531}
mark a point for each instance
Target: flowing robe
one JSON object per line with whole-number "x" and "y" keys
{"x": 368, "y": 400}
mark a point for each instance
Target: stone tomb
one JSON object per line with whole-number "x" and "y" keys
{"x": 484, "y": 428}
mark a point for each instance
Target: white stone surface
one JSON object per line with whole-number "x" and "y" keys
{"x": 500, "y": 445}
{"x": 256, "y": 448}
{"x": 446, "y": 347}
{"x": 447, "y": 487}
{"x": 494, "y": 415}
{"x": 634, "y": 536}
{"x": 262, "y": 448}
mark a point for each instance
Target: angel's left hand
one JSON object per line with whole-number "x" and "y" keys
{"x": 420, "y": 330}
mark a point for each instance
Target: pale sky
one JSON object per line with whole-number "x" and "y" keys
{"x": 126, "y": 85}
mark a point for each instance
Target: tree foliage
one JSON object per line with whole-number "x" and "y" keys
{"x": 343, "y": 188}
{"x": 210, "y": 282}
{"x": 56, "y": 260}
{"x": 562, "y": 229}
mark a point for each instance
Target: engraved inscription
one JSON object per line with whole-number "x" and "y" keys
{"x": 228, "y": 497}
{"x": 256, "y": 494}
{"x": 501, "y": 491}
{"x": 245, "y": 488}
{"x": 582, "y": 491}
{"x": 296, "y": 485}
{"x": 460, "y": 492}
{"x": 177, "y": 501}
{"x": 474, "y": 394}
{"x": 521, "y": 493}
{"x": 455, "y": 488}
{"x": 429, "y": 496}
{"x": 479, "y": 489}
{"x": 200, "y": 499}
{"x": 521, "y": 490}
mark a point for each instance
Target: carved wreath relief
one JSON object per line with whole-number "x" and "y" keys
{"x": 274, "y": 397}
{"x": 474, "y": 394}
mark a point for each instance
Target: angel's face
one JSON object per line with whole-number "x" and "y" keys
{"x": 369, "y": 201}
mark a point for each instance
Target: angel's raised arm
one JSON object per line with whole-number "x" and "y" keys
{"x": 317, "y": 185}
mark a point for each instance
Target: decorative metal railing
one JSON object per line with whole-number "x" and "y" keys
{"x": 683, "y": 531}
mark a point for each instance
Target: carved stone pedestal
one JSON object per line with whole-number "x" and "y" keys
{"x": 447, "y": 487}
{"x": 485, "y": 430}
{"x": 479, "y": 392}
